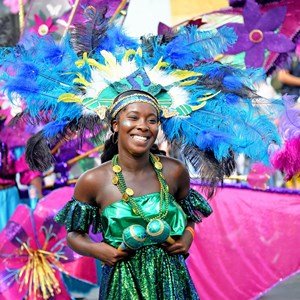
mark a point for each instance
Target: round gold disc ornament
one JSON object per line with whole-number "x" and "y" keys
{"x": 158, "y": 165}
{"x": 117, "y": 169}
{"x": 115, "y": 180}
{"x": 125, "y": 197}
{"x": 129, "y": 192}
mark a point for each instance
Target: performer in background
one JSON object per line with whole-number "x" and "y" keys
{"x": 12, "y": 162}
{"x": 287, "y": 79}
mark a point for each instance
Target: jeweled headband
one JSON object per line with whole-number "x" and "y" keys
{"x": 123, "y": 101}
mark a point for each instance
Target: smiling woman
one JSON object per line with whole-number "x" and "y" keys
{"x": 131, "y": 109}
{"x": 135, "y": 116}
{"x": 134, "y": 187}
{"x": 138, "y": 198}
{"x": 137, "y": 127}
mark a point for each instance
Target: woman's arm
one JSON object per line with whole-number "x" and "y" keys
{"x": 37, "y": 183}
{"x": 285, "y": 77}
{"x": 82, "y": 244}
{"x": 85, "y": 192}
{"x": 183, "y": 244}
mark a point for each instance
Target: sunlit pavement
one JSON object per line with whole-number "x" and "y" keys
{"x": 286, "y": 290}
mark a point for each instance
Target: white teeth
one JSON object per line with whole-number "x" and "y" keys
{"x": 139, "y": 138}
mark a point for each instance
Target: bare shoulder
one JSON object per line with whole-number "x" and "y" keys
{"x": 174, "y": 166}
{"x": 92, "y": 176}
{"x": 90, "y": 182}
{"x": 177, "y": 176}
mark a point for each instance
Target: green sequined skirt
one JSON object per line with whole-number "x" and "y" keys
{"x": 150, "y": 274}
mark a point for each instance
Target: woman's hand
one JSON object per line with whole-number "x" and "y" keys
{"x": 82, "y": 244}
{"x": 108, "y": 254}
{"x": 181, "y": 246}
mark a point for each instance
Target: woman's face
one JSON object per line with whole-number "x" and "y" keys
{"x": 137, "y": 128}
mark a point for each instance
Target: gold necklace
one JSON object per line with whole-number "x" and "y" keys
{"x": 128, "y": 193}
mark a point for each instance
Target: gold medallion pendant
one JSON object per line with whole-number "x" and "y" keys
{"x": 128, "y": 193}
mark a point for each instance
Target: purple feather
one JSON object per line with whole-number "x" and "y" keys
{"x": 289, "y": 126}
{"x": 287, "y": 159}
{"x": 164, "y": 29}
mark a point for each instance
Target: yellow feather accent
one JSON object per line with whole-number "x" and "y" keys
{"x": 68, "y": 97}
{"x": 110, "y": 63}
{"x": 128, "y": 53}
{"x": 81, "y": 62}
{"x": 208, "y": 97}
{"x": 81, "y": 80}
{"x": 188, "y": 82}
{"x": 184, "y": 74}
{"x": 160, "y": 64}
{"x": 139, "y": 51}
{"x": 85, "y": 60}
{"x": 93, "y": 63}
{"x": 196, "y": 107}
{"x": 203, "y": 101}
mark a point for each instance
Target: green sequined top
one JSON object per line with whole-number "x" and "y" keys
{"x": 78, "y": 216}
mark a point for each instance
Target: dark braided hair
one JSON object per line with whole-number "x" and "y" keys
{"x": 110, "y": 148}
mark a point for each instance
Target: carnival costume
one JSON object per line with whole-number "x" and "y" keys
{"x": 150, "y": 273}
{"x": 12, "y": 162}
{"x": 211, "y": 110}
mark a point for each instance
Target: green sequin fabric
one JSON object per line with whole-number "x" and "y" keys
{"x": 150, "y": 274}
{"x": 195, "y": 206}
{"x": 78, "y": 216}
{"x": 119, "y": 215}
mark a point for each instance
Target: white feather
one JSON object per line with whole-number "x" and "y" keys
{"x": 160, "y": 77}
{"x": 179, "y": 96}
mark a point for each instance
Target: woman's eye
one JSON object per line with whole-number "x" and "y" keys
{"x": 153, "y": 121}
{"x": 132, "y": 117}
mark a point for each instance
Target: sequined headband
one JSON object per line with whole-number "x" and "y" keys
{"x": 133, "y": 98}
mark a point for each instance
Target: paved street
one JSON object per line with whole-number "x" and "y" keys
{"x": 287, "y": 290}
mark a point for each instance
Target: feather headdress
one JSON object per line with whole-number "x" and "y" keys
{"x": 206, "y": 107}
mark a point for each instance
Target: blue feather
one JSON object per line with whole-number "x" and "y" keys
{"x": 54, "y": 128}
{"x": 193, "y": 44}
{"x": 21, "y": 86}
{"x": 228, "y": 122}
{"x": 189, "y": 46}
{"x": 221, "y": 127}
{"x": 116, "y": 41}
{"x": 41, "y": 74}
{"x": 28, "y": 70}
{"x": 232, "y": 83}
{"x": 231, "y": 99}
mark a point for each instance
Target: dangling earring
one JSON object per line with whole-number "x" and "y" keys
{"x": 114, "y": 138}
